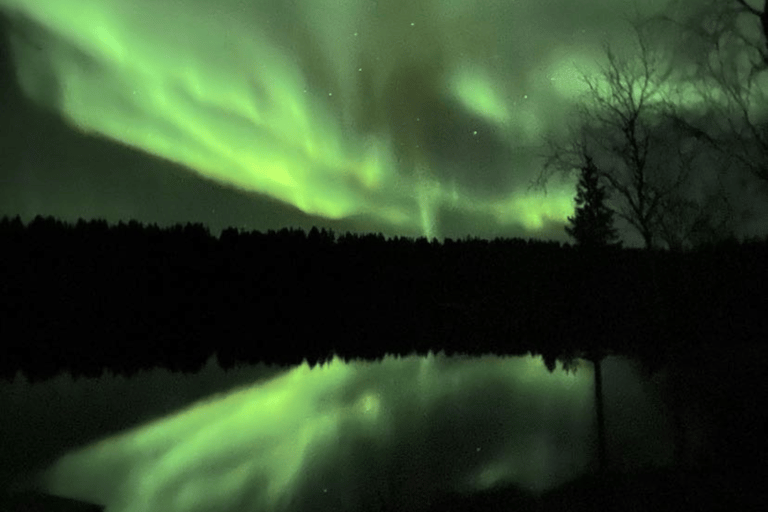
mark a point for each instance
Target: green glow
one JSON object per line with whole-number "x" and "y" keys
{"x": 232, "y": 91}
{"x": 533, "y": 211}
{"x": 479, "y": 95}
{"x": 567, "y": 70}
{"x": 309, "y": 435}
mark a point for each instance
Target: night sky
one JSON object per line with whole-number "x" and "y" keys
{"x": 407, "y": 118}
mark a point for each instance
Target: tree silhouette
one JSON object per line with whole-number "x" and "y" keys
{"x": 592, "y": 228}
{"x": 724, "y": 47}
{"x": 692, "y": 223}
{"x": 626, "y": 123}
{"x": 592, "y": 224}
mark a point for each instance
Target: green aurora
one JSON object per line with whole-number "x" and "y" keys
{"x": 423, "y": 117}
{"x": 407, "y": 117}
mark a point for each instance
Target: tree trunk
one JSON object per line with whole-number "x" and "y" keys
{"x": 601, "y": 449}
{"x": 648, "y": 238}
{"x": 679, "y": 455}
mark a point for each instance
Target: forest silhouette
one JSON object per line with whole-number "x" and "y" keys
{"x": 94, "y": 299}
{"x": 174, "y": 296}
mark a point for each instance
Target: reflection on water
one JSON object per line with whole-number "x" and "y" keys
{"x": 348, "y": 436}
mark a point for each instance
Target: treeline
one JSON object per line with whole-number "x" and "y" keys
{"x": 91, "y": 297}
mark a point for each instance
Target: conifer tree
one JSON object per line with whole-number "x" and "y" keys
{"x": 592, "y": 224}
{"x": 592, "y": 228}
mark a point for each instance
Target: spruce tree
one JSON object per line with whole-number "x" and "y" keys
{"x": 592, "y": 228}
{"x": 592, "y": 224}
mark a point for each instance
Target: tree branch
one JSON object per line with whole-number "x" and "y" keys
{"x": 750, "y": 9}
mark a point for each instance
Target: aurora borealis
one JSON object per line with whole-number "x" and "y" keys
{"x": 336, "y": 437}
{"x": 405, "y": 117}
{"x": 410, "y": 118}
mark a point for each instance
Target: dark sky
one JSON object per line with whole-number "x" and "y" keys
{"x": 410, "y": 118}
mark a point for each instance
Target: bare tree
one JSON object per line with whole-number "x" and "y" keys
{"x": 694, "y": 222}
{"x": 627, "y": 124}
{"x": 724, "y": 47}
{"x": 761, "y": 15}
